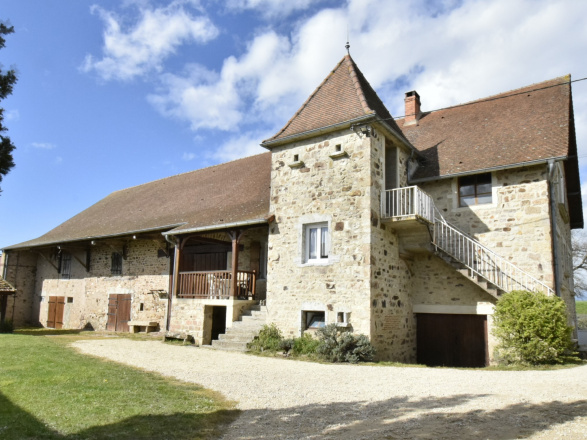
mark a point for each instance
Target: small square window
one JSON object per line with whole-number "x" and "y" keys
{"x": 313, "y": 320}
{"x": 338, "y": 148}
{"x": 296, "y": 158}
{"x": 70, "y": 299}
{"x": 116, "y": 268}
{"x": 475, "y": 190}
{"x": 317, "y": 242}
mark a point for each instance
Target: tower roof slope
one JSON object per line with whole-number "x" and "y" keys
{"x": 344, "y": 95}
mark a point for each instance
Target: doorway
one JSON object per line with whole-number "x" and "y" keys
{"x": 452, "y": 340}
{"x": 118, "y": 312}
{"x": 55, "y": 316}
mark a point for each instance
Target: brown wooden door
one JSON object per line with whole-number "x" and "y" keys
{"x": 118, "y": 312}
{"x": 452, "y": 340}
{"x": 55, "y": 316}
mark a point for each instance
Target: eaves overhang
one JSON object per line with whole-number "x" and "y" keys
{"x": 240, "y": 224}
{"x": 486, "y": 170}
{"x": 26, "y": 246}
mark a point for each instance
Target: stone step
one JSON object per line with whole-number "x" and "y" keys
{"x": 229, "y": 345}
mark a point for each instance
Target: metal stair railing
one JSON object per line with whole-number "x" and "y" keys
{"x": 477, "y": 258}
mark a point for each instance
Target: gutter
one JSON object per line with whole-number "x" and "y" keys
{"x": 553, "y": 215}
{"x": 96, "y": 237}
{"x": 174, "y": 232}
{"x": 497, "y": 168}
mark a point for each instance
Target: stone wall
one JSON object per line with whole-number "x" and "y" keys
{"x": 319, "y": 188}
{"x": 87, "y": 292}
{"x": 19, "y": 269}
{"x": 516, "y": 225}
{"x": 393, "y": 328}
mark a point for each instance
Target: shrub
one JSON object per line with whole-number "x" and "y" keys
{"x": 582, "y": 322}
{"x": 337, "y": 346}
{"x": 532, "y": 329}
{"x": 286, "y": 345}
{"x": 6, "y": 326}
{"x": 269, "y": 339}
{"x": 304, "y": 345}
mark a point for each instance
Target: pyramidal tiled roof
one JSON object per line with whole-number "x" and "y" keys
{"x": 344, "y": 95}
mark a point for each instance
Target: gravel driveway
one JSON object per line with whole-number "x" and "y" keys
{"x": 285, "y": 399}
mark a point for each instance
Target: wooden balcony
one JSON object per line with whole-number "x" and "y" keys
{"x": 216, "y": 284}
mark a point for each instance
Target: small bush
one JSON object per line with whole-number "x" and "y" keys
{"x": 269, "y": 339}
{"x": 304, "y": 345}
{"x": 532, "y": 329}
{"x": 582, "y": 322}
{"x": 6, "y": 326}
{"x": 286, "y": 345}
{"x": 337, "y": 346}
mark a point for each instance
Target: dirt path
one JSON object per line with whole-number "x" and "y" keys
{"x": 284, "y": 399}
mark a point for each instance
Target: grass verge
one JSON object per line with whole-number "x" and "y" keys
{"x": 581, "y": 307}
{"x": 49, "y": 391}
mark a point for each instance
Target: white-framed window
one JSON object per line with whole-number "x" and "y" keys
{"x": 317, "y": 242}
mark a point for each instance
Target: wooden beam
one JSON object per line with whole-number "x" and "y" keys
{"x": 235, "y": 236}
{"x": 85, "y": 265}
{"x": 48, "y": 260}
{"x": 176, "y": 267}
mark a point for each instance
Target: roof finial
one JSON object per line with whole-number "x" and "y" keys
{"x": 347, "y": 45}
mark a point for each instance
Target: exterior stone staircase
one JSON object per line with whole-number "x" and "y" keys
{"x": 242, "y": 332}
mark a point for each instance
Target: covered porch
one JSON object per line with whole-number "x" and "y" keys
{"x": 220, "y": 265}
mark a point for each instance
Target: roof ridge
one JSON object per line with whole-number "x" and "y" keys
{"x": 497, "y": 95}
{"x": 188, "y": 172}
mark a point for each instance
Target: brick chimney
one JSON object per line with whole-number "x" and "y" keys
{"x": 412, "y": 113}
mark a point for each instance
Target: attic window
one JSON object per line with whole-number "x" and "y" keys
{"x": 116, "y": 268}
{"x": 475, "y": 190}
{"x": 65, "y": 265}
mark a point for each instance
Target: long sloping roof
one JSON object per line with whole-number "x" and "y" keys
{"x": 344, "y": 95}
{"x": 236, "y": 191}
{"x": 530, "y": 125}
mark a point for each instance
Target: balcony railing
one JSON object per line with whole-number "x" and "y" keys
{"x": 407, "y": 202}
{"x": 216, "y": 284}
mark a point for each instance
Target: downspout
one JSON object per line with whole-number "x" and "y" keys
{"x": 175, "y": 242}
{"x": 555, "y": 257}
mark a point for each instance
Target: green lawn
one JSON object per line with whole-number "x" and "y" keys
{"x": 49, "y": 391}
{"x": 581, "y": 307}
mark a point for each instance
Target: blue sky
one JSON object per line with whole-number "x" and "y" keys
{"x": 113, "y": 94}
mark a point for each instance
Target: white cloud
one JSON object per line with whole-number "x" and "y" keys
{"x": 12, "y": 115}
{"x": 188, "y": 156}
{"x": 131, "y": 51}
{"x": 271, "y": 8}
{"x": 240, "y": 146}
{"x": 43, "y": 145}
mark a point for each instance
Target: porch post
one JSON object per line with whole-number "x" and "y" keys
{"x": 235, "y": 236}
{"x": 176, "y": 258}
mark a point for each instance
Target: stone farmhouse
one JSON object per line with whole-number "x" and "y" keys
{"x": 406, "y": 230}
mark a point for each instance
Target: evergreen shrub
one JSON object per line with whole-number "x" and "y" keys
{"x": 532, "y": 329}
{"x": 269, "y": 339}
{"x": 343, "y": 346}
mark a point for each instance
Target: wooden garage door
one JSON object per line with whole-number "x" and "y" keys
{"x": 452, "y": 340}
{"x": 118, "y": 312}
{"x": 56, "y": 306}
